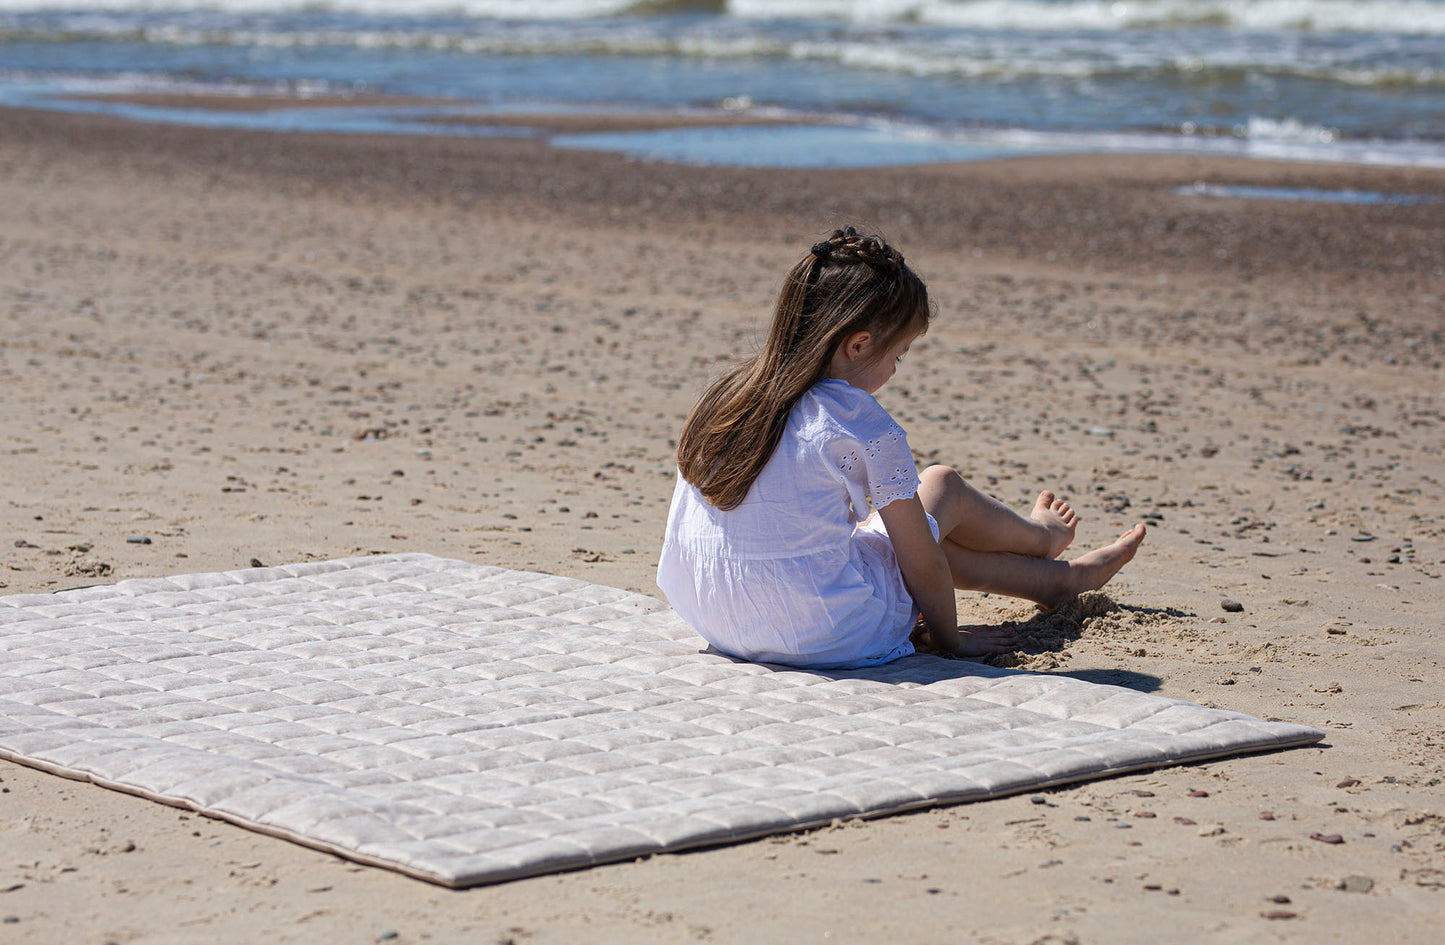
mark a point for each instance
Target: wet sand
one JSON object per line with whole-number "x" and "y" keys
{"x": 543, "y": 123}
{"x": 245, "y": 100}
{"x": 282, "y": 348}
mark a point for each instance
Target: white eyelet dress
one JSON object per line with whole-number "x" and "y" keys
{"x": 790, "y": 575}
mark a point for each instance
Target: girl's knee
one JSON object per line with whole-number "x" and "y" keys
{"x": 940, "y": 480}
{"x": 940, "y": 488}
{"x": 938, "y": 474}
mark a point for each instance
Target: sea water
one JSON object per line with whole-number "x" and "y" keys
{"x": 870, "y": 81}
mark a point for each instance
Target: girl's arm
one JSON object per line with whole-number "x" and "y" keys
{"x": 925, "y": 570}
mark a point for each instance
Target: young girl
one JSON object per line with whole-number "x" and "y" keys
{"x": 800, "y": 530}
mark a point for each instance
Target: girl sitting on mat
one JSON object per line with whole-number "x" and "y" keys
{"x": 800, "y": 530}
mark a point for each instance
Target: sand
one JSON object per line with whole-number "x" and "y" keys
{"x": 280, "y": 348}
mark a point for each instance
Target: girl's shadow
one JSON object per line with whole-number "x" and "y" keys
{"x": 1047, "y": 634}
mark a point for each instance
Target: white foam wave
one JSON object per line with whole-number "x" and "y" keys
{"x": 496, "y": 9}
{"x": 1418, "y": 17}
{"x": 1265, "y": 139}
{"x": 962, "y": 56}
{"x": 923, "y": 62}
{"x": 1368, "y": 16}
{"x": 1288, "y": 130}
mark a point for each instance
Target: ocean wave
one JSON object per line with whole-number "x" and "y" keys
{"x": 883, "y": 140}
{"x": 1369, "y": 16}
{"x": 1259, "y": 137}
{"x": 494, "y": 9}
{"x": 1416, "y": 17}
{"x": 1015, "y": 59}
{"x": 1180, "y": 69}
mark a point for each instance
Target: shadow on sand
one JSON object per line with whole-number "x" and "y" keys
{"x": 1043, "y": 635}
{"x": 1046, "y": 633}
{"x": 1127, "y": 678}
{"x": 1050, "y": 632}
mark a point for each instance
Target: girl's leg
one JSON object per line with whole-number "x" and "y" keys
{"x": 1043, "y": 580}
{"x": 978, "y": 522}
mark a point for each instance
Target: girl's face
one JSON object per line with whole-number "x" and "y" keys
{"x": 860, "y": 364}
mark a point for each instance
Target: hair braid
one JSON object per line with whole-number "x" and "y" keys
{"x": 847, "y": 246}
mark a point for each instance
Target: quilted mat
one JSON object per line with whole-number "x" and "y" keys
{"x": 467, "y": 724}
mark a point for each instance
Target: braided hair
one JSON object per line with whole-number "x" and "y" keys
{"x": 846, "y": 284}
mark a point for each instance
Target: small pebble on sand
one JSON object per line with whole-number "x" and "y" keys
{"x": 1356, "y": 884}
{"x": 1231, "y": 606}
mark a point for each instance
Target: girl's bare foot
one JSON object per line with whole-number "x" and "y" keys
{"x": 1058, "y": 520}
{"x": 1091, "y": 571}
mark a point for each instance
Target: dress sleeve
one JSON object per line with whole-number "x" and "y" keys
{"x": 874, "y": 458}
{"x": 889, "y": 461}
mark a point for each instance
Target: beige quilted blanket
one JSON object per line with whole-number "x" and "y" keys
{"x": 467, "y": 724}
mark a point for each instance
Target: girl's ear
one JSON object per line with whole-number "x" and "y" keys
{"x": 856, "y": 345}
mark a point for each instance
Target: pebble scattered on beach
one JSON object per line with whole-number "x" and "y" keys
{"x": 270, "y": 349}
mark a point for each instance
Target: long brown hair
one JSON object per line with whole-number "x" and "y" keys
{"x": 848, "y": 283}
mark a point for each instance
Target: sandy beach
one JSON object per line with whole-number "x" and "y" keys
{"x": 257, "y": 347}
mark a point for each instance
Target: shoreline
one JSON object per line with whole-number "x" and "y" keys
{"x": 297, "y": 347}
{"x": 803, "y": 140}
{"x": 544, "y": 123}
{"x": 1108, "y": 212}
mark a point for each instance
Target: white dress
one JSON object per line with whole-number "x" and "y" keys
{"x": 790, "y": 575}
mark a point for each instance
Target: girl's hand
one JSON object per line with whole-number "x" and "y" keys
{"x": 971, "y": 641}
{"x": 921, "y": 639}
{"x": 983, "y": 640}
